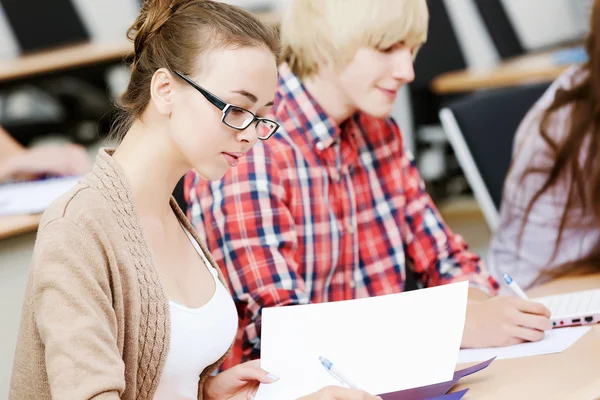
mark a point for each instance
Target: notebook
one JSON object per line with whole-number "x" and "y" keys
{"x": 576, "y": 308}
{"x": 33, "y": 197}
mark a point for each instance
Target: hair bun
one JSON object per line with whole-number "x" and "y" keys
{"x": 153, "y": 16}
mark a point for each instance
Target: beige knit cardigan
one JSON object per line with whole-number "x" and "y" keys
{"x": 95, "y": 322}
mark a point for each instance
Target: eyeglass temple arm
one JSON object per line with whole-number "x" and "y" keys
{"x": 208, "y": 95}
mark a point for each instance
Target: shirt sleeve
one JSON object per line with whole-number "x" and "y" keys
{"x": 252, "y": 235}
{"x": 73, "y": 314}
{"x": 437, "y": 255}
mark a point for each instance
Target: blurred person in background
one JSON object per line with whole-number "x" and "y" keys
{"x": 550, "y": 213}
{"x": 20, "y": 163}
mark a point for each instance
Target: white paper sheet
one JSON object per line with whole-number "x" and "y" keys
{"x": 555, "y": 341}
{"x": 32, "y": 197}
{"x": 382, "y": 344}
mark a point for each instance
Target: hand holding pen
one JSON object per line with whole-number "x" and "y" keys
{"x": 505, "y": 320}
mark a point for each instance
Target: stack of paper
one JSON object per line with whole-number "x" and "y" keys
{"x": 32, "y": 197}
{"x": 555, "y": 341}
{"x": 383, "y": 344}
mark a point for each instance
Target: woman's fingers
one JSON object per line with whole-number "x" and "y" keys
{"x": 531, "y": 307}
{"x": 251, "y": 371}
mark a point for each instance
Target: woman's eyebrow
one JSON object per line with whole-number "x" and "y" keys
{"x": 249, "y": 95}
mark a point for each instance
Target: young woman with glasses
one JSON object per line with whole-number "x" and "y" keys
{"x": 123, "y": 301}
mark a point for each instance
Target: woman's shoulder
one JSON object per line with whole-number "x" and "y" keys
{"x": 570, "y": 78}
{"x": 83, "y": 207}
{"x": 75, "y": 234}
{"x": 528, "y": 135}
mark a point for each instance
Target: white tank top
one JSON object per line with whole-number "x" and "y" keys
{"x": 199, "y": 337}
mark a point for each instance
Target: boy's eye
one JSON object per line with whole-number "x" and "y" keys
{"x": 393, "y": 47}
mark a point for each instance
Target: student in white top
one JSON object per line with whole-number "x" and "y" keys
{"x": 202, "y": 79}
{"x": 208, "y": 102}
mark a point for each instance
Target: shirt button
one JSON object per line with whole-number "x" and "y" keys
{"x": 352, "y": 284}
{"x": 320, "y": 146}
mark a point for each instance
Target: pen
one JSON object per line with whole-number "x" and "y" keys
{"x": 515, "y": 288}
{"x": 335, "y": 372}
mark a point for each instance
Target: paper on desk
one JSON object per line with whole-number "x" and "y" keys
{"x": 555, "y": 341}
{"x": 383, "y": 344}
{"x": 32, "y": 197}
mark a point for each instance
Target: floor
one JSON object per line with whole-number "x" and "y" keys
{"x": 462, "y": 215}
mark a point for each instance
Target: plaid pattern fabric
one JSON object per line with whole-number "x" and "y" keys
{"x": 323, "y": 213}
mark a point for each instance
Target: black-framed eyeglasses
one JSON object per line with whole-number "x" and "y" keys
{"x": 236, "y": 117}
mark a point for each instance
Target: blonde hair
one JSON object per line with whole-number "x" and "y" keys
{"x": 173, "y": 34}
{"x": 328, "y": 32}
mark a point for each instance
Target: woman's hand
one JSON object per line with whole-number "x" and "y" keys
{"x": 237, "y": 383}
{"x": 504, "y": 321}
{"x": 339, "y": 393}
{"x": 68, "y": 159}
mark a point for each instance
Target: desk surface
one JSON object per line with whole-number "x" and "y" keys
{"x": 572, "y": 374}
{"x": 78, "y": 56}
{"x": 64, "y": 58}
{"x": 528, "y": 68}
{"x": 18, "y": 224}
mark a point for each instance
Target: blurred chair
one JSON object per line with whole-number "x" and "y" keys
{"x": 40, "y": 25}
{"x": 28, "y": 111}
{"x": 481, "y": 129}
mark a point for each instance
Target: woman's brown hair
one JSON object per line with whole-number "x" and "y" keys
{"x": 174, "y": 34}
{"x": 575, "y": 156}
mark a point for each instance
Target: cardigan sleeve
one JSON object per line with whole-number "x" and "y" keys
{"x": 73, "y": 314}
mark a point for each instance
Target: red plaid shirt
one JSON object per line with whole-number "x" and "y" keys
{"x": 323, "y": 213}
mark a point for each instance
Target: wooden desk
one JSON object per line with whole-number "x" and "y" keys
{"x": 572, "y": 374}
{"x": 79, "y": 55}
{"x": 18, "y": 224}
{"x": 64, "y": 58}
{"x": 529, "y": 68}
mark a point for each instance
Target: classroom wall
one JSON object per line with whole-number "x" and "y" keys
{"x": 543, "y": 23}
{"x": 107, "y": 19}
{"x": 538, "y": 24}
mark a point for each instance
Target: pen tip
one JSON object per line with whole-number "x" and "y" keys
{"x": 507, "y": 278}
{"x": 325, "y": 362}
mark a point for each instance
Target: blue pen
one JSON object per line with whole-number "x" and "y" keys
{"x": 514, "y": 287}
{"x": 335, "y": 372}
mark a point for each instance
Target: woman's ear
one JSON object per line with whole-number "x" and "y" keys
{"x": 161, "y": 91}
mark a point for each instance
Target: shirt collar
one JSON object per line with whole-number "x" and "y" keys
{"x": 310, "y": 116}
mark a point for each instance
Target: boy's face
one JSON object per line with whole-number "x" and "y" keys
{"x": 372, "y": 78}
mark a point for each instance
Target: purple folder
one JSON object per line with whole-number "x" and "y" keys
{"x": 438, "y": 389}
{"x": 450, "y": 396}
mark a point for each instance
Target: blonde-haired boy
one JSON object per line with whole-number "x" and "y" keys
{"x": 332, "y": 207}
